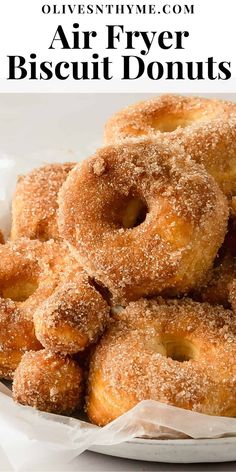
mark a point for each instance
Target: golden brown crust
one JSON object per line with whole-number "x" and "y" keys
{"x": 214, "y": 146}
{"x": 165, "y": 114}
{"x": 48, "y": 382}
{"x": 29, "y": 273}
{"x": 16, "y": 336}
{"x": 184, "y": 224}
{"x": 24, "y": 282}
{"x": 34, "y": 206}
{"x": 206, "y": 128}
{"x": 176, "y": 352}
{"x": 72, "y": 318}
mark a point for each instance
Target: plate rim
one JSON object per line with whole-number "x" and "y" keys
{"x": 182, "y": 441}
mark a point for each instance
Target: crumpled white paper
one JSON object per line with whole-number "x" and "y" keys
{"x": 36, "y": 441}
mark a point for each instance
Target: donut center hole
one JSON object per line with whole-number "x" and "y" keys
{"x": 170, "y": 122}
{"x": 180, "y": 350}
{"x": 20, "y": 290}
{"x": 134, "y": 213}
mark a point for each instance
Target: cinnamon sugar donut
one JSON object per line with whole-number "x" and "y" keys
{"x": 26, "y": 273}
{"x": 16, "y": 336}
{"x": 177, "y": 352}
{"x": 142, "y": 219}
{"x": 206, "y": 128}
{"x": 29, "y": 272}
{"x": 214, "y": 146}
{"x": 34, "y": 206}
{"x": 72, "y": 318}
{"x": 48, "y": 382}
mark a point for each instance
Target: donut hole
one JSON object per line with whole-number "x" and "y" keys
{"x": 134, "y": 213}
{"x": 170, "y": 122}
{"x": 178, "y": 349}
{"x": 20, "y": 290}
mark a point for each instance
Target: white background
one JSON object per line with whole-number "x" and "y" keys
{"x": 24, "y": 29}
{"x": 68, "y": 125}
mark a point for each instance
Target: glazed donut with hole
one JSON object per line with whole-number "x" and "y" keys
{"x": 206, "y": 128}
{"x": 49, "y": 382}
{"x": 34, "y": 205}
{"x": 177, "y": 352}
{"x": 142, "y": 218}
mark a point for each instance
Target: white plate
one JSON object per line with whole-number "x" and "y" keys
{"x": 173, "y": 450}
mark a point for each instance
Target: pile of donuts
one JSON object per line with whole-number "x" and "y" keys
{"x": 118, "y": 281}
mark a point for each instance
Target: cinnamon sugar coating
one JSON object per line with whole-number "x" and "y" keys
{"x": 34, "y": 205}
{"x": 177, "y": 352}
{"x": 72, "y": 318}
{"x": 206, "y": 128}
{"x": 20, "y": 291}
{"x": 16, "y": 337}
{"x": 49, "y": 382}
{"x": 214, "y": 146}
{"x": 143, "y": 219}
{"x": 29, "y": 273}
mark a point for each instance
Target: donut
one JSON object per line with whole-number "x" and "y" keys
{"x": 180, "y": 353}
{"x": 165, "y": 114}
{"x": 48, "y": 382}
{"x": 142, "y": 219}
{"x": 206, "y": 128}
{"x": 34, "y": 205}
{"x": 16, "y": 336}
{"x": 72, "y": 318}
{"x": 29, "y": 273}
{"x": 23, "y": 284}
{"x": 214, "y": 146}
{"x": 25, "y": 275}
